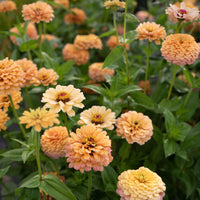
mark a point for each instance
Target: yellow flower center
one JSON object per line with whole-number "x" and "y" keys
{"x": 43, "y": 77}
{"x": 2, "y": 66}
{"x": 97, "y": 118}
{"x": 62, "y": 96}
{"x": 141, "y": 178}
{"x": 150, "y": 29}
{"x": 89, "y": 143}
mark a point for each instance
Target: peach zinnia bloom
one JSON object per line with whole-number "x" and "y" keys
{"x": 112, "y": 43}
{"x": 90, "y": 41}
{"x": 89, "y": 148}
{"x": 134, "y": 127}
{"x": 96, "y": 72}
{"x": 99, "y": 116}
{"x": 140, "y": 184}
{"x": 151, "y": 31}
{"x": 114, "y": 4}
{"x": 181, "y": 49}
{"x": 64, "y": 3}
{"x": 45, "y": 77}
{"x": 141, "y": 84}
{"x": 5, "y": 101}
{"x": 144, "y": 15}
{"x": 53, "y": 142}
{"x": 7, "y": 5}
{"x": 182, "y": 12}
{"x": 31, "y": 32}
{"x": 70, "y": 52}
{"x": 3, "y": 119}
{"x": 11, "y": 76}
{"x": 29, "y": 68}
{"x": 39, "y": 118}
{"x": 77, "y": 16}
{"x": 37, "y": 12}
{"x": 63, "y": 98}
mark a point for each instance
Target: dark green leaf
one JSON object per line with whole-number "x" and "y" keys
{"x": 130, "y": 37}
{"x": 26, "y": 155}
{"x": 29, "y": 45}
{"x": 189, "y": 77}
{"x": 33, "y": 182}
{"x": 170, "y": 121}
{"x": 98, "y": 89}
{"x": 171, "y": 105}
{"x": 14, "y": 155}
{"x": 169, "y": 146}
{"x": 64, "y": 69}
{"x": 180, "y": 86}
{"x": 20, "y": 142}
{"x": 49, "y": 62}
{"x": 132, "y": 17}
{"x": 4, "y": 171}
{"x": 127, "y": 89}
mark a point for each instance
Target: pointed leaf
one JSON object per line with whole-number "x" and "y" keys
{"x": 29, "y": 45}
{"x": 108, "y": 33}
{"x": 169, "y": 146}
{"x": 49, "y": 62}
{"x": 132, "y": 17}
{"x": 33, "y": 182}
{"x": 130, "y": 37}
{"x": 4, "y": 171}
{"x": 14, "y": 155}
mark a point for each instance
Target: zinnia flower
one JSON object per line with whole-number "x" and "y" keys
{"x": 96, "y": 72}
{"x": 99, "y": 116}
{"x": 70, "y": 52}
{"x": 3, "y": 119}
{"x": 141, "y": 84}
{"x": 5, "y": 101}
{"x": 64, "y": 3}
{"x": 29, "y": 68}
{"x": 11, "y": 76}
{"x": 134, "y": 127}
{"x": 7, "y": 5}
{"x": 151, "y": 31}
{"x": 31, "y": 32}
{"x": 112, "y": 43}
{"x": 37, "y": 12}
{"x": 39, "y": 118}
{"x": 115, "y": 4}
{"x": 88, "y": 148}
{"x": 144, "y": 15}
{"x": 140, "y": 184}
{"x": 77, "y": 16}
{"x": 181, "y": 49}
{"x": 88, "y": 42}
{"x": 53, "y": 142}
{"x": 63, "y": 98}
{"x": 45, "y": 77}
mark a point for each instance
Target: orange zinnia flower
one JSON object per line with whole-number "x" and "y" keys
{"x": 3, "y": 119}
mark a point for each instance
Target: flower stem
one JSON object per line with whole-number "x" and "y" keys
{"x": 194, "y": 26}
{"x": 178, "y": 26}
{"x": 28, "y": 96}
{"x": 37, "y": 149}
{"x": 115, "y": 26}
{"x": 17, "y": 117}
{"x": 187, "y": 98}
{"x": 172, "y": 82}
{"x": 147, "y": 67}
{"x": 66, "y": 121}
{"x": 40, "y": 43}
{"x": 29, "y": 54}
{"x": 89, "y": 184}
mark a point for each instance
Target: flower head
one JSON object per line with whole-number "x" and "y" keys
{"x": 7, "y": 5}
{"x": 151, "y": 31}
{"x": 37, "y": 12}
{"x": 63, "y": 98}
{"x": 141, "y": 84}
{"x": 99, "y": 116}
{"x": 45, "y": 77}
{"x": 39, "y": 118}
{"x": 96, "y": 72}
{"x": 182, "y": 12}
{"x": 3, "y": 119}
{"x": 134, "y": 127}
{"x": 181, "y": 49}
{"x": 115, "y": 4}
{"x": 144, "y": 15}
{"x": 11, "y": 76}
{"x": 88, "y": 148}
{"x": 140, "y": 184}
{"x": 70, "y": 52}
{"x": 112, "y": 43}
{"x": 77, "y": 16}
{"x": 53, "y": 142}
{"x": 64, "y": 3}
{"x": 90, "y": 41}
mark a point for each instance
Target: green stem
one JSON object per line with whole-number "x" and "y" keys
{"x": 147, "y": 66}
{"x": 172, "y": 82}
{"x": 115, "y": 26}
{"x": 37, "y": 149}
{"x": 178, "y": 26}
{"x": 29, "y": 98}
{"x": 40, "y": 43}
{"x": 187, "y": 98}
{"x": 29, "y": 54}
{"x": 89, "y": 184}
{"x": 194, "y": 26}
{"x": 17, "y": 117}
{"x": 66, "y": 121}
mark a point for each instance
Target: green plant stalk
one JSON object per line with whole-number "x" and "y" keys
{"x": 17, "y": 117}
{"x": 37, "y": 150}
{"x": 172, "y": 82}
{"x": 40, "y": 43}
{"x": 29, "y": 54}
{"x": 28, "y": 96}
{"x": 115, "y": 26}
{"x": 178, "y": 26}
{"x": 194, "y": 26}
{"x": 66, "y": 121}
{"x": 89, "y": 184}
{"x": 187, "y": 98}
{"x": 147, "y": 66}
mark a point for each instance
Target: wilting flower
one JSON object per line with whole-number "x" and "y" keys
{"x": 112, "y": 43}
{"x": 6, "y": 6}
{"x": 134, "y": 127}
{"x": 99, "y": 116}
{"x": 31, "y": 32}
{"x": 77, "y": 16}
{"x": 151, "y": 31}
{"x": 141, "y": 84}
{"x": 5, "y": 101}
{"x": 89, "y": 148}
{"x": 53, "y": 142}
{"x": 29, "y": 68}
{"x": 90, "y": 41}
{"x": 144, "y": 15}
{"x": 96, "y": 72}
{"x": 140, "y": 184}
{"x": 45, "y": 77}
{"x": 11, "y": 76}
{"x": 182, "y": 12}
{"x": 49, "y": 37}
{"x": 3, "y": 119}
{"x": 70, "y": 52}
{"x": 115, "y": 4}
{"x": 64, "y": 3}
{"x": 39, "y": 118}
{"x": 63, "y": 98}
{"x": 181, "y": 49}
{"x": 37, "y": 12}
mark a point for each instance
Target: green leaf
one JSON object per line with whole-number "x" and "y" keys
{"x": 14, "y": 155}
{"x": 33, "y": 182}
{"x": 26, "y": 155}
{"x": 124, "y": 150}
{"x": 169, "y": 146}
{"x": 189, "y": 77}
{"x": 53, "y": 186}
{"x": 64, "y": 69}
{"x": 29, "y": 45}
{"x": 20, "y": 142}
{"x": 170, "y": 121}
{"x": 49, "y": 62}
{"x": 108, "y": 33}
{"x": 4, "y": 171}
{"x": 132, "y": 17}
{"x": 180, "y": 86}
{"x": 98, "y": 89}
{"x": 130, "y": 37}
{"x": 171, "y": 105}
{"x": 127, "y": 89}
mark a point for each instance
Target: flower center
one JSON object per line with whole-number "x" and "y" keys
{"x": 5, "y": 99}
{"x": 182, "y": 11}
{"x": 89, "y": 144}
{"x": 97, "y": 119}
{"x": 62, "y": 96}
{"x": 44, "y": 77}
{"x": 141, "y": 178}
